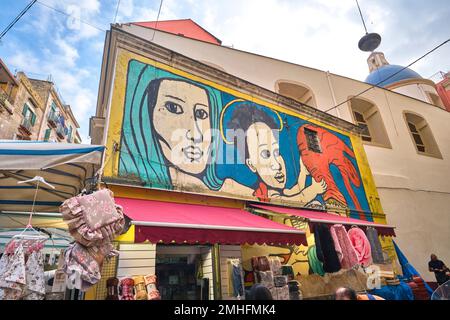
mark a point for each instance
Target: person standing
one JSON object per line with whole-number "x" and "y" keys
{"x": 439, "y": 268}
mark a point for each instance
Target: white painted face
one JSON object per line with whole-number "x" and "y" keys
{"x": 181, "y": 119}
{"x": 264, "y": 156}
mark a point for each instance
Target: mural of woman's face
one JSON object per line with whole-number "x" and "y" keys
{"x": 264, "y": 157}
{"x": 181, "y": 119}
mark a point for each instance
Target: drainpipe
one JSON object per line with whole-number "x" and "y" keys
{"x": 330, "y": 86}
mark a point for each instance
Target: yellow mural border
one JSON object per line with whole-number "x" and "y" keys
{"x": 118, "y": 100}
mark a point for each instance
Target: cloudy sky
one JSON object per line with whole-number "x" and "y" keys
{"x": 321, "y": 34}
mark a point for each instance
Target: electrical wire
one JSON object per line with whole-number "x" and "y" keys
{"x": 117, "y": 10}
{"x": 69, "y": 15}
{"x": 157, "y": 19}
{"x": 17, "y": 18}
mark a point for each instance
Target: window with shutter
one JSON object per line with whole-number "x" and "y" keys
{"x": 47, "y": 134}
{"x": 25, "y": 110}
{"x": 33, "y": 119}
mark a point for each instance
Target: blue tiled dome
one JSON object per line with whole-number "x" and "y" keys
{"x": 386, "y": 71}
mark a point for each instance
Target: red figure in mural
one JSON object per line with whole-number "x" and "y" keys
{"x": 318, "y": 163}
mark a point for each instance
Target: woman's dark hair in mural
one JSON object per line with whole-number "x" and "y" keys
{"x": 141, "y": 152}
{"x": 246, "y": 114}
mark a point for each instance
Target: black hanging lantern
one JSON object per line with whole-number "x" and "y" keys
{"x": 370, "y": 41}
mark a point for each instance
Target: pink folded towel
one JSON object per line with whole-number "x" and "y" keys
{"x": 362, "y": 246}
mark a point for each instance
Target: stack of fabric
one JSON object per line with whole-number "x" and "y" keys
{"x": 294, "y": 290}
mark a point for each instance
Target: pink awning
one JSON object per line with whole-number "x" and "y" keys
{"x": 315, "y": 217}
{"x": 167, "y": 222}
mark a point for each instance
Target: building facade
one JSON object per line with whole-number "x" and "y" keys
{"x": 31, "y": 109}
{"x": 170, "y": 123}
{"x": 406, "y": 131}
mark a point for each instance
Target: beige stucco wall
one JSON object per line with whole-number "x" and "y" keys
{"x": 397, "y": 171}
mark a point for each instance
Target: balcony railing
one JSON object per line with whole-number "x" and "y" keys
{"x": 26, "y": 125}
{"x": 5, "y": 102}
{"x": 60, "y": 131}
{"x": 53, "y": 119}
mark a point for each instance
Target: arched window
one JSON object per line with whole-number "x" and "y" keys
{"x": 296, "y": 91}
{"x": 421, "y": 135}
{"x": 367, "y": 116}
{"x": 435, "y": 99}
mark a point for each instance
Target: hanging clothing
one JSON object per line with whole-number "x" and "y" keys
{"x": 314, "y": 263}
{"x": 375, "y": 245}
{"x": 361, "y": 245}
{"x": 35, "y": 278}
{"x": 13, "y": 279}
{"x": 238, "y": 287}
{"x": 331, "y": 262}
{"x": 349, "y": 257}
{"x": 83, "y": 265}
{"x": 319, "y": 252}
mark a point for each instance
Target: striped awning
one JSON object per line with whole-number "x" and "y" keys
{"x": 68, "y": 167}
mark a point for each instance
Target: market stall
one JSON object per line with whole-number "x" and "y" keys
{"x": 341, "y": 251}
{"x": 35, "y": 178}
{"x": 194, "y": 250}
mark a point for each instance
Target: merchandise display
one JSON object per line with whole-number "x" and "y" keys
{"x": 126, "y": 287}
{"x": 375, "y": 245}
{"x": 112, "y": 288}
{"x": 235, "y": 278}
{"x": 93, "y": 219}
{"x": 314, "y": 263}
{"x": 347, "y": 254}
{"x": 22, "y": 272}
{"x": 330, "y": 258}
{"x": 361, "y": 245}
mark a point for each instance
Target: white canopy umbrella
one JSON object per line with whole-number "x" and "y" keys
{"x": 67, "y": 167}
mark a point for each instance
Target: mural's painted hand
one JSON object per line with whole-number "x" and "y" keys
{"x": 319, "y": 187}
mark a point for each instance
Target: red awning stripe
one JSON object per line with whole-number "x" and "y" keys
{"x": 316, "y": 217}
{"x": 209, "y": 236}
{"x": 167, "y": 222}
{"x": 211, "y": 227}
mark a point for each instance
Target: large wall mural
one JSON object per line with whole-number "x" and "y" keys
{"x": 179, "y": 132}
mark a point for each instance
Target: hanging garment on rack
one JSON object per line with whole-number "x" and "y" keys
{"x": 314, "y": 263}
{"x": 83, "y": 265}
{"x": 361, "y": 245}
{"x": 35, "y": 278}
{"x": 93, "y": 219}
{"x": 349, "y": 257}
{"x": 319, "y": 252}
{"x": 237, "y": 279}
{"x": 13, "y": 280}
{"x": 375, "y": 245}
{"x": 330, "y": 258}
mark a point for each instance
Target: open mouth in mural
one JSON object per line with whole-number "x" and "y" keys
{"x": 280, "y": 177}
{"x": 193, "y": 153}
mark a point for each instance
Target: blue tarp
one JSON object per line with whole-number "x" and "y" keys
{"x": 408, "y": 270}
{"x": 400, "y": 292}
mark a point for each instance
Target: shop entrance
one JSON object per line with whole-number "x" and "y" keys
{"x": 180, "y": 271}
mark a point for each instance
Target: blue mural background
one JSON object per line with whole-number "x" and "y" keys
{"x": 153, "y": 169}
